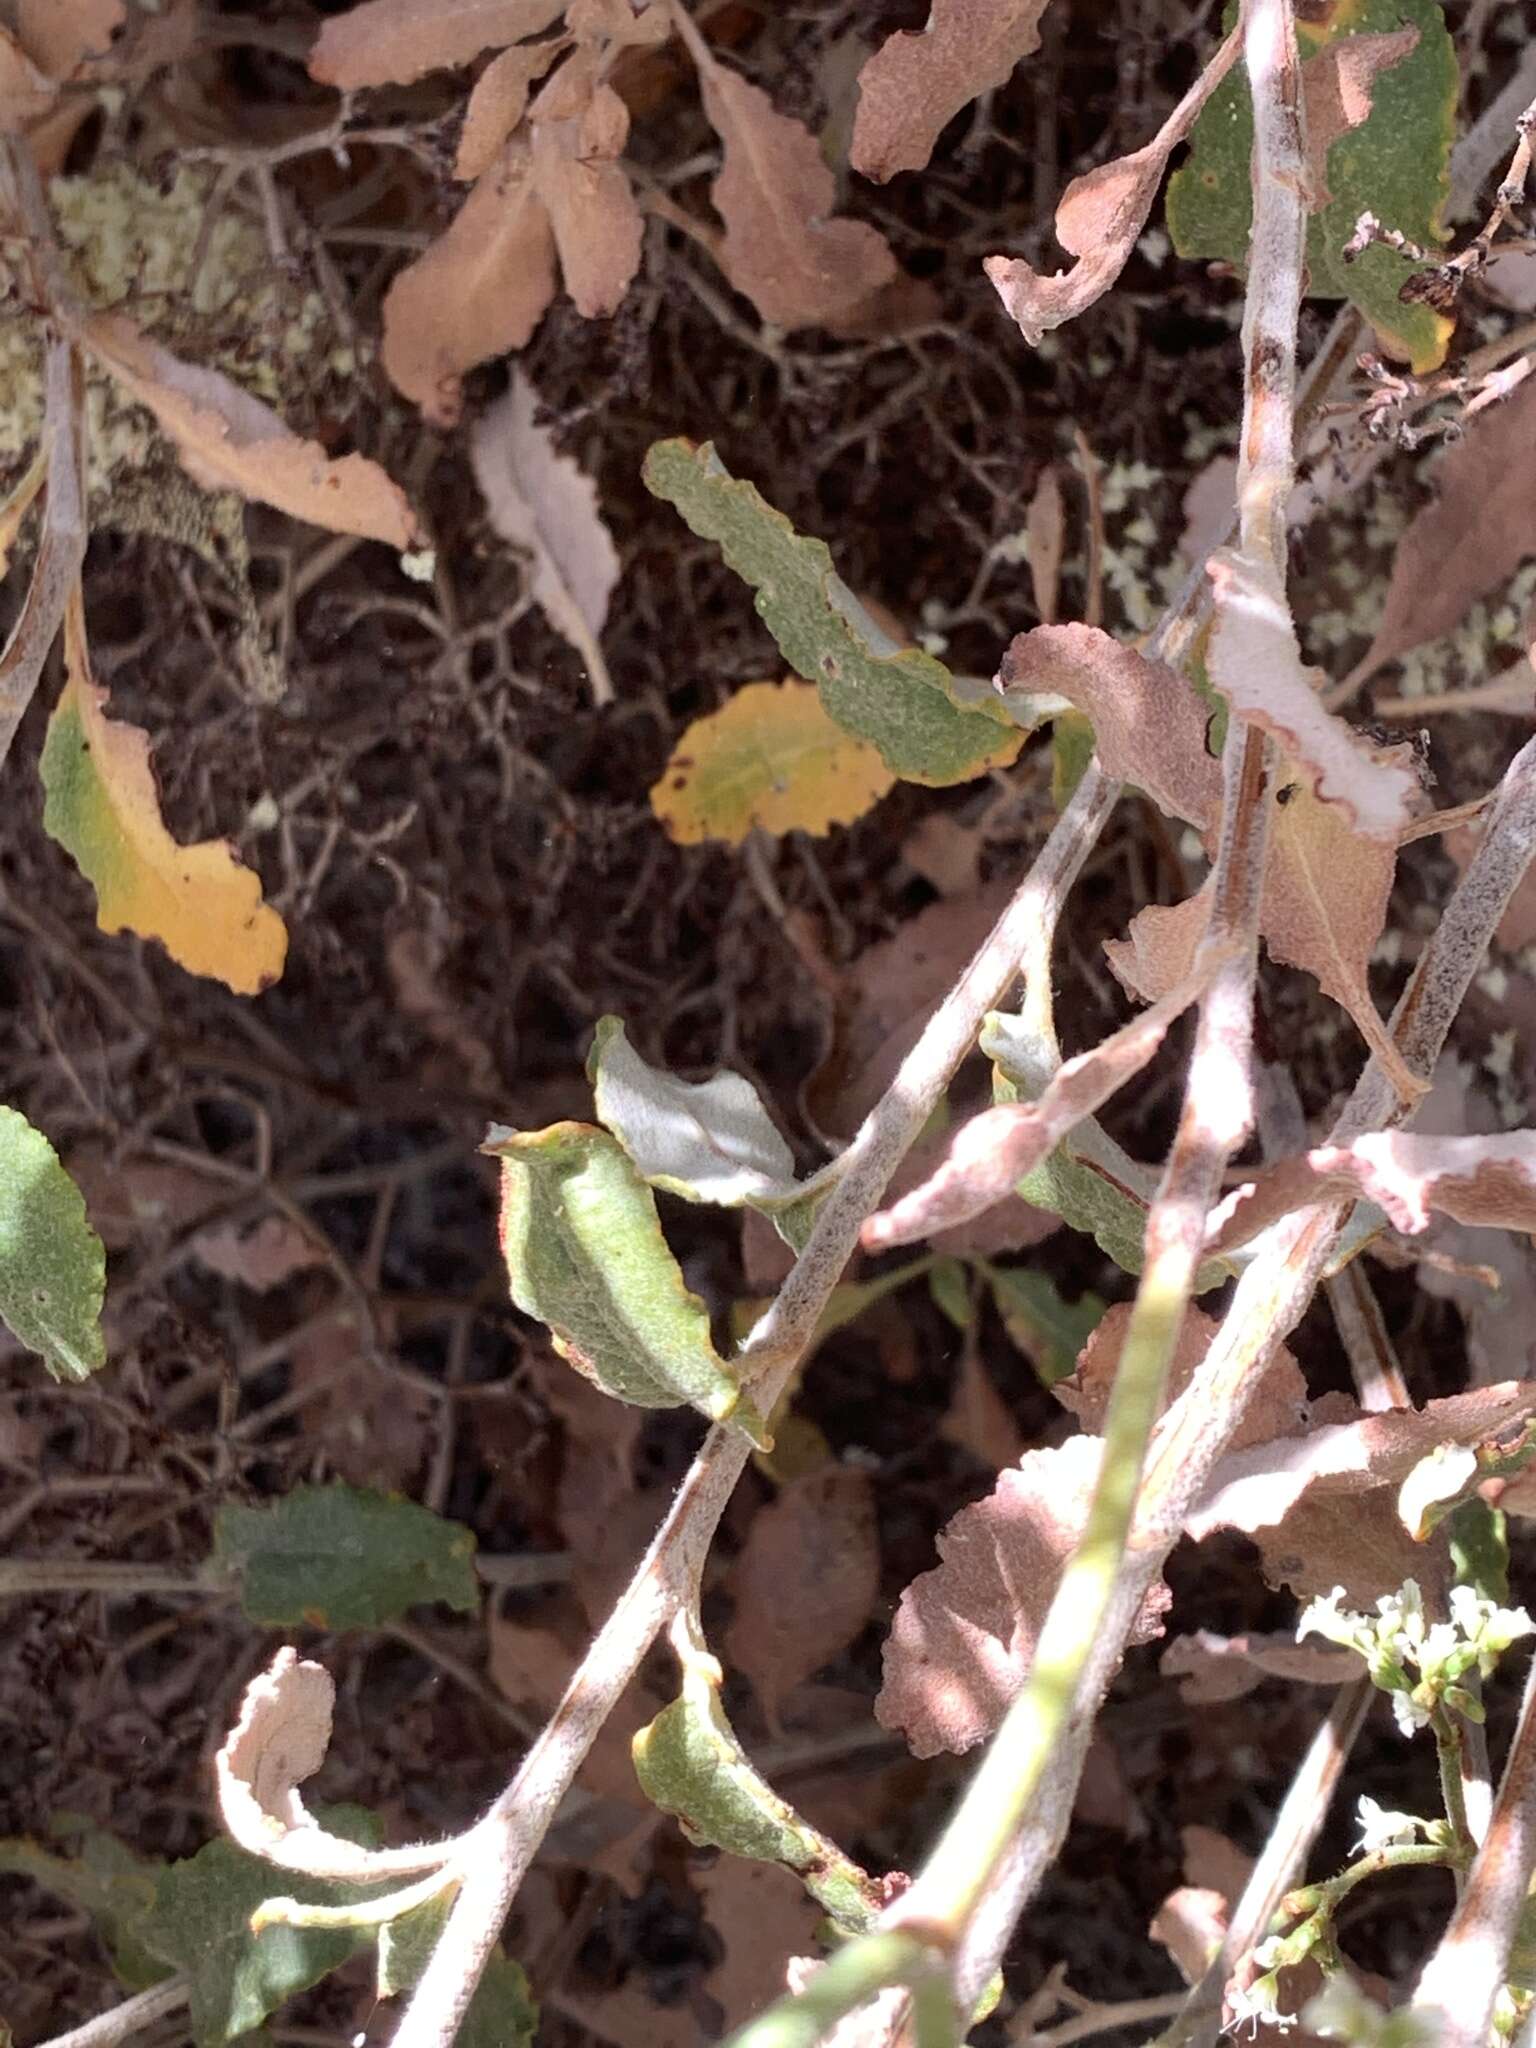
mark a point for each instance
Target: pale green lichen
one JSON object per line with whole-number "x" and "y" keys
{"x": 205, "y": 286}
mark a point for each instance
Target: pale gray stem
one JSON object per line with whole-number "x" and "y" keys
{"x": 495, "y": 1854}
{"x": 127, "y": 2019}
{"x": 1462, "y": 1980}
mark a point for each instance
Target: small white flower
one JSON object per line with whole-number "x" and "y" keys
{"x": 1379, "y": 1826}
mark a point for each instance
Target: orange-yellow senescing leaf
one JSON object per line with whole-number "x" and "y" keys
{"x": 770, "y": 759}
{"x": 199, "y": 901}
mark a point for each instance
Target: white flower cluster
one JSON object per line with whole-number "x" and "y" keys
{"x": 1419, "y": 1662}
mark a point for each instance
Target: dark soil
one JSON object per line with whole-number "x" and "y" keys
{"x": 472, "y": 875}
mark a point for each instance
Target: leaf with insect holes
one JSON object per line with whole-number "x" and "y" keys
{"x": 229, "y": 440}
{"x": 901, "y": 700}
{"x": 338, "y": 1557}
{"x": 585, "y": 1254}
{"x": 690, "y": 1764}
{"x": 1394, "y": 163}
{"x": 201, "y": 1924}
{"x": 395, "y": 42}
{"x": 769, "y": 760}
{"x": 101, "y": 806}
{"x": 52, "y": 1265}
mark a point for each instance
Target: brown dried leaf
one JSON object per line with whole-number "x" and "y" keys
{"x": 1336, "y": 87}
{"x": 596, "y": 23}
{"x": 1322, "y": 1507}
{"x": 775, "y": 193}
{"x": 1326, "y": 889}
{"x": 1277, "y": 1407}
{"x": 1148, "y": 721}
{"x": 479, "y": 290}
{"x": 540, "y": 500}
{"x": 1045, "y": 530}
{"x": 1099, "y": 218}
{"x": 373, "y": 1427}
{"x": 229, "y": 440}
{"x": 805, "y": 1583}
{"x": 278, "y": 1741}
{"x": 762, "y": 1916}
{"x": 498, "y": 102}
{"x": 393, "y": 42}
{"x": 1474, "y": 535}
{"x": 593, "y": 213}
{"x": 1255, "y": 662}
{"x": 916, "y": 83}
{"x": 1191, "y": 1924}
{"x": 964, "y": 1634}
{"x": 1211, "y": 1668}
{"x": 59, "y": 35}
{"x": 1488, "y": 1182}
{"x": 260, "y": 1256}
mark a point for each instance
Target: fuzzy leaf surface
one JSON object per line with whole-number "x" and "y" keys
{"x": 585, "y": 1254}
{"x": 339, "y": 1557}
{"x": 53, "y": 1269}
{"x": 1395, "y": 164}
{"x": 901, "y": 700}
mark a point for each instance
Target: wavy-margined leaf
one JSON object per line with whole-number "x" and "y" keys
{"x": 903, "y": 701}
{"x": 1394, "y": 164}
{"x": 338, "y": 1557}
{"x": 585, "y": 1254}
{"x": 201, "y": 1924}
{"x": 52, "y": 1265}
{"x": 691, "y": 1765}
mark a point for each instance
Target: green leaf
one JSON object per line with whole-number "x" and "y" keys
{"x": 200, "y": 1924}
{"x": 901, "y": 700}
{"x": 502, "y": 2013}
{"x": 1049, "y": 1331}
{"x": 1071, "y": 751}
{"x": 53, "y": 1271}
{"x": 691, "y": 1765}
{"x": 337, "y": 1557}
{"x": 586, "y": 1255}
{"x": 107, "y": 1881}
{"x": 949, "y": 1284}
{"x": 1479, "y": 1545}
{"x": 1395, "y": 165}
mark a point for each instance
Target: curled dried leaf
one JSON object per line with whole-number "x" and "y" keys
{"x": 917, "y": 82}
{"x": 278, "y": 1741}
{"x": 1149, "y": 722}
{"x": 1255, "y": 662}
{"x": 1099, "y": 218}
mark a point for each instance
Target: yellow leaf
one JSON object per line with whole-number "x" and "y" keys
{"x": 102, "y": 808}
{"x": 772, "y": 759}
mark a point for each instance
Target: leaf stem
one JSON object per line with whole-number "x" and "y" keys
{"x": 875, "y": 1962}
{"x": 129, "y": 2018}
